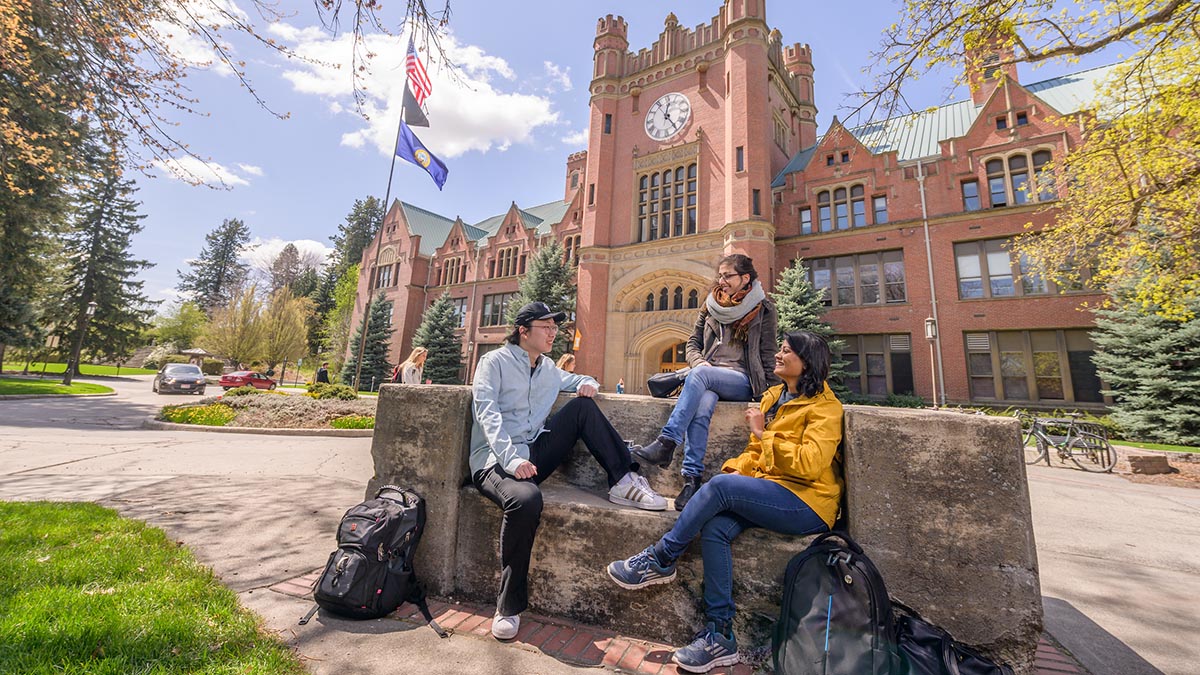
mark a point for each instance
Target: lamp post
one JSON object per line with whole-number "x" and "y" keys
{"x": 931, "y": 335}
{"x": 73, "y": 362}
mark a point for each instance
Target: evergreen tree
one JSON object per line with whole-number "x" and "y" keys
{"x": 354, "y": 235}
{"x": 322, "y": 296}
{"x": 217, "y": 275}
{"x": 436, "y": 333}
{"x": 800, "y": 307}
{"x": 286, "y": 268}
{"x": 1151, "y": 365}
{"x": 337, "y": 320}
{"x": 306, "y": 283}
{"x": 550, "y": 279}
{"x": 98, "y": 268}
{"x": 375, "y": 367}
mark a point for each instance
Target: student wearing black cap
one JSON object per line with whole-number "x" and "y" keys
{"x": 516, "y": 444}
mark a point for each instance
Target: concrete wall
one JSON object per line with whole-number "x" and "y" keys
{"x": 938, "y": 500}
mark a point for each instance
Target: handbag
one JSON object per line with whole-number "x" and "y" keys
{"x": 926, "y": 649}
{"x": 666, "y": 385}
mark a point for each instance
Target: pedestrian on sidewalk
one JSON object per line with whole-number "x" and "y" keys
{"x": 514, "y": 447}
{"x": 788, "y": 480}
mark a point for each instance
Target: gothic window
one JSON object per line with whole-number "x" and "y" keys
{"x": 666, "y": 203}
{"x": 693, "y": 300}
{"x": 662, "y": 300}
{"x": 677, "y": 298}
{"x": 649, "y": 302}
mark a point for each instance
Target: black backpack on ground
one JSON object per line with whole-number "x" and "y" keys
{"x": 926, "y": 649}
{"x": 836, "y": 616}
{"x": 371, "y": 572}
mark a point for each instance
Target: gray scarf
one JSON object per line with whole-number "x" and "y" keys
{"x": 728, "y": 315}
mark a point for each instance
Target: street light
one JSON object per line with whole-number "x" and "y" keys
{"x": 931, "y": 335}
{"x": 73, "y": 362}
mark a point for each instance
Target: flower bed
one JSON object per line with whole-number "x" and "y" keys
{"x": 280, "y": 412}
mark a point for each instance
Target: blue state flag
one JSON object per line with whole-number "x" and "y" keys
{"x": 410, "y": 149}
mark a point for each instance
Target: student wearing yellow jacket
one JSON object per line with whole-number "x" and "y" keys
{"x": 789, "y": 480}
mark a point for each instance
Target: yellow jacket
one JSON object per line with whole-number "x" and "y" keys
{"x": 799, "y": 450}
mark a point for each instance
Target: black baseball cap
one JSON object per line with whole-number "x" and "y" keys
{"x": 536, "y": 311}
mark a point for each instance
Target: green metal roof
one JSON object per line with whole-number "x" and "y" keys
{"x": 432, "y": 228}
{"x": 545, "y": 215}
{"x": 917, "y": 135}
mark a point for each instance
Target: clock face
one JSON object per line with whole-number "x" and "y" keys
{"x": 667, "y": 116}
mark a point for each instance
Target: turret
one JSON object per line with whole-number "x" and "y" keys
{"x": 610, "y": 44}
{"x": 797, "y": 59}
{"x": 576, "y": 173}
{"x": 986, "y": 58}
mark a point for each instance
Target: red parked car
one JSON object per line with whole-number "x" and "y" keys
{"x": 244, "y": 378}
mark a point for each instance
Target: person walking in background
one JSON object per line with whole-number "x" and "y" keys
{"x": 566, "y": 362}
{"x": 730, "y": 357}
{"x": 621, "y": 386}
{"x": 788, "y": 480}
{"x": 412, "y": 369}
{"x": 323, "y": 373}
{"x": 516, "y": 444}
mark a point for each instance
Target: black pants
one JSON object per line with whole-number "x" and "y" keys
{"x": 522, "y": 499}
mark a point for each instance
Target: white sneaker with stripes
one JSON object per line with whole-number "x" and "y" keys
{"x": 633, "y": 490}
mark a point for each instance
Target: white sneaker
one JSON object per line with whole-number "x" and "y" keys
{"x": 633, "y": 490}
{"x": 505, "y": 627}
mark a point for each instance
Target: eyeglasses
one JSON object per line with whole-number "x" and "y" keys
{"x": 728, "y": 277}
{"x": 553, "y": 329}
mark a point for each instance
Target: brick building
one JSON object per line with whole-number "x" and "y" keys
{"x": 707, "y": 143}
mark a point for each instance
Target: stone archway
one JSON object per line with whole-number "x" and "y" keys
{"x": 643, "y": 358}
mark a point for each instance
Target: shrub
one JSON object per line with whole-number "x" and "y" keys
{"x": 904, "y": 401}
{"x": 212, "y": 366}
{"x": 244, "y": 390}
{"x": 295, "y": 412}
{"x": 211, "y": 415}
{"x": 341, "y": 392}
{"x": 353, "y": 422}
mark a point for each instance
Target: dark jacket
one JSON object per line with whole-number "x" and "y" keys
{"x": 759, "y": 350}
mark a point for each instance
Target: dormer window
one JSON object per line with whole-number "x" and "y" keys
{"x": 829, "y": 160}
{"x": 1022, "y": 119}
{"x": 1001, "y": 122}
{"x": 845, "y": 157}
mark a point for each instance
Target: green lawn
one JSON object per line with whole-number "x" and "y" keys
{"x": 86, "y": 591}
{"x": 1158, "y": 446}
{"x": 87, "y": 368}
{"x": 9, "y": 386}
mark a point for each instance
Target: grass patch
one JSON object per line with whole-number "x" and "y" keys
{"x": 353, "y": 422}
{"x": 13, "y": 386}
{"x": 86, "y": 369}
{"x": 86, "y": 591}
{"x": 212, "y": 415}
{"x": 1158, "y": 446}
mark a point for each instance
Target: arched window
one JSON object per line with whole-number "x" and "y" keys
{"x": 995, "y": 178}
{"x": 1045, "y": 181}
{"x": 662, "y": 299}
{"x": 858, "y": 206}
{"x": 693, "y": 299}
{"x": 1008, "y": 179}
{"x": 826, "y": 224}
{"x": 649, "y": 302}
{"x": 677, "y": 298}
{"x": 1018, "y": 175}
{"x": 841, "y": 209}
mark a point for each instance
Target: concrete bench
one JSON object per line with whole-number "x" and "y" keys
{"x": 938, "y": 500}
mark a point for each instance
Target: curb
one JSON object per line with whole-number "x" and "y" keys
{"x": 19, "y": 397}
{"x": 336, "y": 433}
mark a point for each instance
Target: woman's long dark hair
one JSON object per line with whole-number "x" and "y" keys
{"x": 814, "y": 352}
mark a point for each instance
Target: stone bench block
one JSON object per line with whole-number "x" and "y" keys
{"x": 1150, "y": 464}
{"x": 581, "y": 532}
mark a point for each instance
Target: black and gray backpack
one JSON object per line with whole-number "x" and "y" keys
{"x": 836, "y": 616}
{"x": 371, "y": 572}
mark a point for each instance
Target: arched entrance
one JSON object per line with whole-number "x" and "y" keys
{"x": 673, "y": 358}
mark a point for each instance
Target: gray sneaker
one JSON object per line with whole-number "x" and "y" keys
{"x": 633, "y": 490}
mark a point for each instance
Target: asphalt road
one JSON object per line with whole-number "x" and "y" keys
{"x": 1120, "y": 562}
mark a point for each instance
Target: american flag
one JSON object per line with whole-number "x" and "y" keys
{"x": 418, "y": 79}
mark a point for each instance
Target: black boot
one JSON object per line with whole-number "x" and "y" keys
{"x": 690, "y": 485}
{"x": 659, "y": 452}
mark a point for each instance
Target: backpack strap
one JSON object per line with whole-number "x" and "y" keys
{"x": 840, "y": 534}
{"x": 304, "y": 619}
{"x": 416, "y": 595}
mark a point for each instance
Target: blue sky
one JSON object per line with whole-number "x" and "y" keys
{"x": 504, "y": 133}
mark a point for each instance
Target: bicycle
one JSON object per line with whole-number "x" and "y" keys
{"x": 1084, "y": 443}
{"x": 1033, "y": 453}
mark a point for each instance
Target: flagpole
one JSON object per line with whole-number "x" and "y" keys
{"x": 387, "y": 195}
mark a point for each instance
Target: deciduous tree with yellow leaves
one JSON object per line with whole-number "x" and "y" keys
{"x": 1130, "y": 194}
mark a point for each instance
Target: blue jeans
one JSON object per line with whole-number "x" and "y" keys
{"x": 702, "y": 389}
{"x": 722, "y": 509}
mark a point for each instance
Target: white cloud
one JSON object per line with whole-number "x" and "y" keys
{"x": 260, "y": 253}
{"x": 558, "y": 76}
{"x": 466, "y": 112}
{"x": 182, "y": 35}
{"x": 192, "y": 170}
{"x": 576, "y": 138}
{"x": 251, "y": 169}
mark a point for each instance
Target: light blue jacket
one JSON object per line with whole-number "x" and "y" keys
{"x": 511, "y": 405}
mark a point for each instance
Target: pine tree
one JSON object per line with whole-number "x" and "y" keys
{"x": 1151, "y": 365}
{"x": 286, "y": 268}
{"x": 375, "y": 368}
{"x": 436, "y": 333}
{"x": 356, "y": 233}
{"x": 800, "y": 307}
{"x": 218, "y": 274}
{"x": 99, "y": 268}
{"x": 550, "y": 279}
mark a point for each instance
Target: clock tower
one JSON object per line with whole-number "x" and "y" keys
{"x": 685, "y": 137}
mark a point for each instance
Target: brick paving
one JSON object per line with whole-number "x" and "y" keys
{"x": 585, "y": 645}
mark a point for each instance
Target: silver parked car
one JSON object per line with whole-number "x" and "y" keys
{"x": 184, "y": 378}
